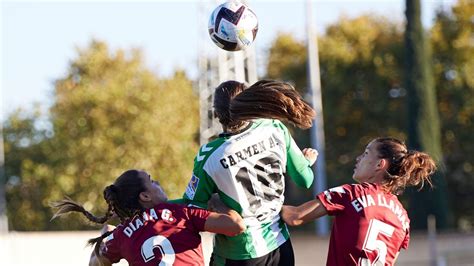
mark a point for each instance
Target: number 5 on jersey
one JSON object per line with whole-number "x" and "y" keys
{"x": 371, "y": 243}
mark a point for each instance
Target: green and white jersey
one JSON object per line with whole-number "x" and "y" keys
{"x": 247, "y": 170}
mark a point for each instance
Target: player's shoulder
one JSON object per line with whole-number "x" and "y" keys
{"x": 270, "y": 126}
{"x": 355, "y": 190}
{"x": 181, "y": 211}
{"x": 116, "y": 231}
{"x": 265, "y": 122}
{"x": 181, "y": 207}
{"x": 169, "y": 206}
{"x": 206, "y": 150}
{"x": 367, "y": 187}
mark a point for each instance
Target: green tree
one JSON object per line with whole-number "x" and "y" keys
{"x": 109, "y": 114}
{"x": 24, "y": 146}
{"x": 287, "y": 61}
{"x": 424, "y": 132}
{"x": 362, "y": 74}
{"x": 453, "y": 65}
{"x": 361, "y": 85}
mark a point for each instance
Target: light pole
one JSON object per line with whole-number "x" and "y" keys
{"x": 317, "y": 131}
{"x": 3, "y": 204}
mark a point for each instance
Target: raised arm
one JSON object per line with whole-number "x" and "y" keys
{"x": 299, "y": 164}
{"x": 303, "y": 213}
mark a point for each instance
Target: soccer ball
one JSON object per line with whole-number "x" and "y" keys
{"x": 233, "y": 26}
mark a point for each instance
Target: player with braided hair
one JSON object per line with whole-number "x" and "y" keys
{"x": 370, "y": 226}
{"x": 152, "y": 230}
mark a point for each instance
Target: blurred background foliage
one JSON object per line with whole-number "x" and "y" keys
{"x": 362, "y": 68}
{"x": 110, "y": 113}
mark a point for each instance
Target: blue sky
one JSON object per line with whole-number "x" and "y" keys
{"x": 39, "y": 39}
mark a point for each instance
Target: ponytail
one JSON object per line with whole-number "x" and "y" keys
{"x": 418, "y": 167}
{"x": 122, "y": 198}
{"x": 407, "y": 167}
{"x": 95, "y": 242}
{"x": 68, "y": 205}
{"x": 272, "y": 99}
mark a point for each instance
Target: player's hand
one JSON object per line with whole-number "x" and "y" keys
{"x": 289, "y": 215}
{"x": 311, "y": 155}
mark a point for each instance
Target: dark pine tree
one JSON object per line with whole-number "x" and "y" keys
{"x": 423, "y": 122}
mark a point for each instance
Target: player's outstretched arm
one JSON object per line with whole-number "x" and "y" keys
{"x": 303, "y": 213}
{"x": 229, "y": 224}
{"x": 222, "y": 219}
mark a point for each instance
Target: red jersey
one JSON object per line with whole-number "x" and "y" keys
{"x": 370, "y": 225}
{"x": 167, "y": 234}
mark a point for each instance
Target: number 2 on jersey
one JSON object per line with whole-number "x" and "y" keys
{"x": 371, "y": 243}
{"x": 164, "y": 247}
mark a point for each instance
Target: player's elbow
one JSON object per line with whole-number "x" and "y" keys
{"x": 305, "y": 182}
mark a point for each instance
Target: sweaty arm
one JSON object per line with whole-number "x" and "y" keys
{"x": 303, "y": 213}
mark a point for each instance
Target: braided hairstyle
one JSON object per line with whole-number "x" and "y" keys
{"x": 122, "y": 198}
{"x": 406, "y": 167}
{"x": 272, "y": 99}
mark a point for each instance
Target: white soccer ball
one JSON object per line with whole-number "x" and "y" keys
{"x": 233, "y": 26}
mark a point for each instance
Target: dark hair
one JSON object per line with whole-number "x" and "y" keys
{"x": 122, "y": 198}
{"x": 223, "y": 95}
{"x": 272, "y": 99}
{"x": 407, "y": 167}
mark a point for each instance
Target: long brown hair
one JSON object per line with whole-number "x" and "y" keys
{"x": 272, "y": 99}
{"x": 406, "y": 167}
{"x": 122, "y": 198}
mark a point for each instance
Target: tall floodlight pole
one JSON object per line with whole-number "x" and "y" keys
{"x": 317, "y": 131}
{"x": 3, "y": 204}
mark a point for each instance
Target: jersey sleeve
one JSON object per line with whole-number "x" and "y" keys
{"x": 406, "y": 240}
{"x": 111, "y": 248}
{"x": 297, "y": 166}
{"x": 336, "y": 199}
{"x": 198, "y": 217}
{"x": 201, "y": 186}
